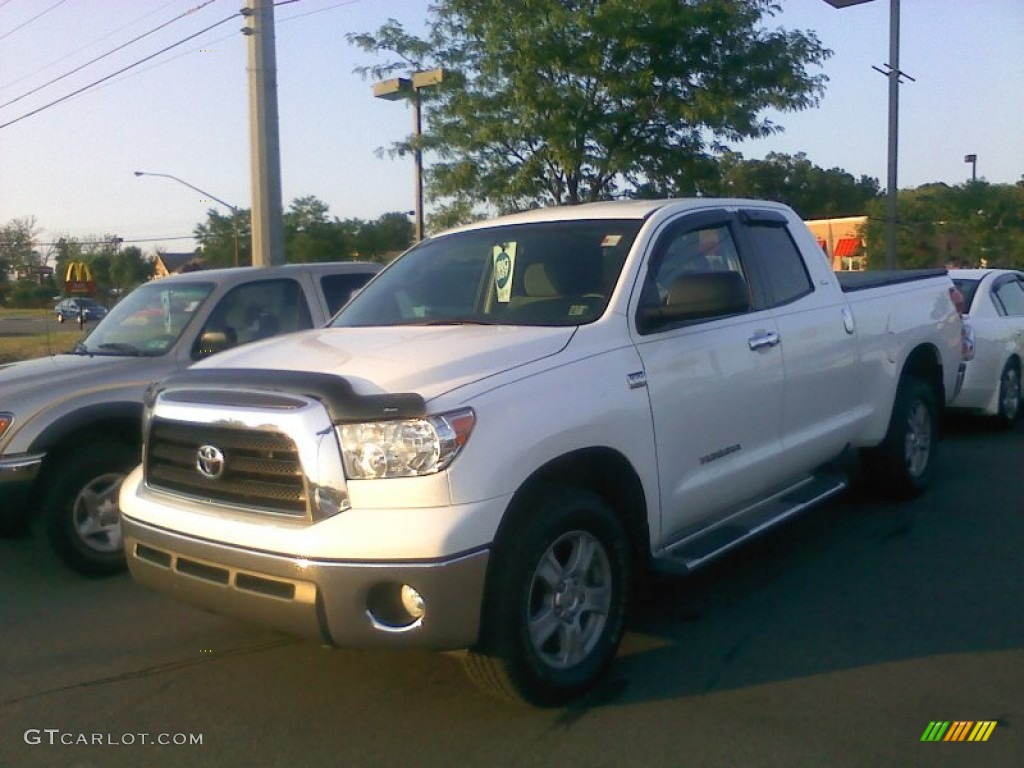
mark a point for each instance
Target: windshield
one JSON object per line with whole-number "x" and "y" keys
{"x": 551, "y": 273}
{"x": 148, "y": 321}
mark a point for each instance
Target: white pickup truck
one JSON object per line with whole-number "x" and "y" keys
{"x": 514, "y": 419}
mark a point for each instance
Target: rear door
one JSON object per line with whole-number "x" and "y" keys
{"x": 822, "y": 398}
{"x": 715, "y": 383}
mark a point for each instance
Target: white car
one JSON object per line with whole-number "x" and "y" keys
{"x": 995, "y": 310}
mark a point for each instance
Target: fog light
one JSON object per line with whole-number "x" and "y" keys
{"x": 412, "y": 601}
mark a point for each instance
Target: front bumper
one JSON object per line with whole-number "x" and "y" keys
{"x": 347, "y": 604}
{"x": 17, "y": 477}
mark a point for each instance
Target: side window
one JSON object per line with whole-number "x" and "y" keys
{"x": 695, "y": 274}
{"x": 1010, "y": 296}
{"x": 338, "y": 289}
{"x": 254, "y": 311}
{"x": 782, "y": 266}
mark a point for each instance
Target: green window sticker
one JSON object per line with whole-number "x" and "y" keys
{"x": 504, "y": 256}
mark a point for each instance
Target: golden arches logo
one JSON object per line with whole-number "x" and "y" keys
{"x": 78, "y": 272}
{"x": 958, "y": 730}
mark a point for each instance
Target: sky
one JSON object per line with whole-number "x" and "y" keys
{"x": 185, "y": 112}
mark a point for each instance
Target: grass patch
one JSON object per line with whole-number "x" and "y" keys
{"x": 23, "y": 341}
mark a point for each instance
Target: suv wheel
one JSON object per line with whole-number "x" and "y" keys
{"x": 80, "y": 507}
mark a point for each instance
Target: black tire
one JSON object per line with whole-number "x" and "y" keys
{"x": 60, "y": 318}
{"x": 557, "y": 597}
{"x": 1009, "y": 396}
{"x": 82, "y": 519}
{"x": 902, "y": 465}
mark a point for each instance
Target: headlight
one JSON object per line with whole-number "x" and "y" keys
{"x": 406, "y": 448}
{"x": 5, "y": 422}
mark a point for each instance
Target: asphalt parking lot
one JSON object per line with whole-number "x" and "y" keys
{"x": 834, "y": 641}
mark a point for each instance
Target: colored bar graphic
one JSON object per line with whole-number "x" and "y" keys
{"x": 958, "y": 730}
{"x": 982, "y": 730}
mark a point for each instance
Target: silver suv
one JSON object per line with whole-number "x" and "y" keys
{"x": 70, "y": 423}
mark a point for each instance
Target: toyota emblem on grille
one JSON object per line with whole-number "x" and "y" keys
{"x": 210, "y": 461}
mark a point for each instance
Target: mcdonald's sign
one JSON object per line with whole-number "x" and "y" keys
{"x": 78, "y": 279}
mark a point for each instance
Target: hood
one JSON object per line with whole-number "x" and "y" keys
{"x": 60, "y": 376}
{"x": 428, "y": 360}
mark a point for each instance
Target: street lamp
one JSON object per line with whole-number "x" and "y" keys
{"x": 399, "y": 88}
{"x": 892, "y": 71}
{"x": 973, "y": 160}
{"x": 234, "y": 209}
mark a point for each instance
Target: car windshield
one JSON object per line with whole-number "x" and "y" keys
{"x": 552, "y": 273}
{"x": 146, "y": 322}
{"x": 968, "y": 288}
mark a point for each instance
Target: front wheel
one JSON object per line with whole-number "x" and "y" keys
{"x": 82, "y": 516}
{"x": 556, "y": 602}
{"x": 902, "y": 463}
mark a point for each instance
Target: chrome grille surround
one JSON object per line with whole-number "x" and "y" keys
{"x": 283, "y": 461}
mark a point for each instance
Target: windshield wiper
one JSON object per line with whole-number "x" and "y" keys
{"x": 122, "y": 348}
{"x": 79, "y": 349}
{"x": 454, "y": 321}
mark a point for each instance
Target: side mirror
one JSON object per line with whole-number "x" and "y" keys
{"x": 698, "y": 296}
{"x": 212, "y": 342}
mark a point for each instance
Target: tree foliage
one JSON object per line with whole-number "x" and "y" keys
{"x": 17, "y": 245}
{"x": 970, "y": 224}
{"x": 311, "y": 234}
{"x": 813, "y": 192}
{"x": 568, "y": 101}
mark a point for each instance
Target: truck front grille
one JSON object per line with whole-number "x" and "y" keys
{"x": 258, "y": 469}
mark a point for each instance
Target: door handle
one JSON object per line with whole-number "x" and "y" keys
{"x": 763, "y": 339}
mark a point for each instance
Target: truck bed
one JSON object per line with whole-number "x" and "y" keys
{"x": 859, "y": 281}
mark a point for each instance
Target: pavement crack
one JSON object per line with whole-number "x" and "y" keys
{"x": 157, "y": 669}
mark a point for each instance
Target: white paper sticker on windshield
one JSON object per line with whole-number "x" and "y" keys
{"x": 504, "y": 267}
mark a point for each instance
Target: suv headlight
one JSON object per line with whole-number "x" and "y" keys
{"x": 404, "y": 448}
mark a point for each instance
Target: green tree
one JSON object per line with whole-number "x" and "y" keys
{"x": 310, "y": 234}
{"x": 17, "y": 245}
{"x": 567, "y": 101}
{"x": 813, "y": 192}
{"x": 128, "y": 268}
{"x": 220, "y": 235}
{"x": 967, "y": 224}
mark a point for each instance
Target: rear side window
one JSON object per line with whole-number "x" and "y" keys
{"x": 338, "y": 289}
{"x": 781, "y": 265}
{"x": 1010, "y": 296}
{"x": 967, "y": 288}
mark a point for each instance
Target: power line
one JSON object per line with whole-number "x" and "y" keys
{"x": 108, "y": 53}
{"x": 76, "y": 241}
{"x": 216, "y": 40}
{"x": 118, "y": 72}
{"x": 24, "y": 24}
{"x": 69, "y": 54}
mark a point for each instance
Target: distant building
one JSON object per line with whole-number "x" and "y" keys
{"x": 175, "y": 263}
{"x": 842, "y": 240}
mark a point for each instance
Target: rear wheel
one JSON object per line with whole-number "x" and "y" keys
{"x": 556, "y": 601}
{"x": 80, "y": 507}
{"x": 1009, "y": 396}
{"x": 902, "y": 464}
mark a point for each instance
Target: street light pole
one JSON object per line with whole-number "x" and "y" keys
{"x": 973, "y": 160}
{"x": 891, "y": 212}
{"x": 398, "y": 88}
{"x": 892, "y": 71}
{"x": 234, "y": 209}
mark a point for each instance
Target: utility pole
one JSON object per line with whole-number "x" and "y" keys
{"x": 265, "y": 147}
